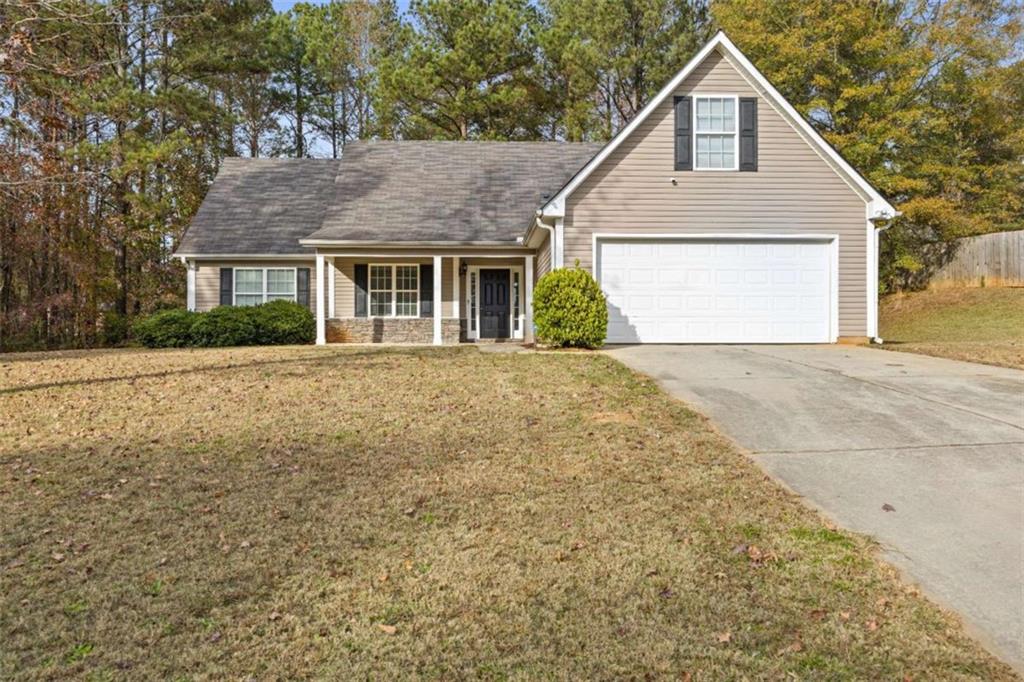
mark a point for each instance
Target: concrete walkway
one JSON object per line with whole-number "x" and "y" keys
{"x": 852, "y": 429}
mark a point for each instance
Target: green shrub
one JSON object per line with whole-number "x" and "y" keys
{"x": 274, "y": 323}
{"x": 283, "y": 322}
{"x": 115, "y": 328}
{"x": 226, "y": 326}
{"x": 165, "y": 329}
{"x": 569, "y": 309}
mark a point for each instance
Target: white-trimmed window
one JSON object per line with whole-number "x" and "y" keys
{"x": 472, "y": 301}
{"x": 394, "y": 290}
{"x": 254, "y": 286}
{"x": 515, "y": 302}
{"x": 714, "y": 133}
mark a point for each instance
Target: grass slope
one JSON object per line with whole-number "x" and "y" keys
{"x": 442, "y": 513}
{"x": 979, "y": 325}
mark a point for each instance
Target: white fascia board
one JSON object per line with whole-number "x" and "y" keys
{"x": 404, "y": 245}
{"x": 245, "y": 256}
{"x": 878, "y": 207}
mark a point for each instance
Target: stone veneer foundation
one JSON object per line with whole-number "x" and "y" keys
{"x": 390, "y": 330}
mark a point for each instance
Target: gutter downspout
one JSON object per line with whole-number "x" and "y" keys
{"x": 551, "y": 237}
{"x": 878, "y": 252}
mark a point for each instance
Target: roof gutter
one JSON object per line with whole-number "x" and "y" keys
{"x": 539, "y": 222}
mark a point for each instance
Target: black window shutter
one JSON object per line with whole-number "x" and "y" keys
{"x": 359, "y": 274}
{"x": 302, "y": 288}
{"x": 684, "y": 134}
{"x": 426, "y": 290}
{"x": 748, "y": 133}
{"x": 227, "y": 283}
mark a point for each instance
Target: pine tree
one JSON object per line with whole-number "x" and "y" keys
{"x": 463, "y": 70}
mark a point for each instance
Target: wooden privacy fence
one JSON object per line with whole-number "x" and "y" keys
{"x": 995, "y": 259}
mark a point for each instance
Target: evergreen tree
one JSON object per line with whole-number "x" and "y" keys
{"x": 464, "y": 70}
{"x": 607, "y": 58}
{"x": 919, "y": 95}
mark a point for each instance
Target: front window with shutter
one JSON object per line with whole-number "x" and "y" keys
{"x": 254, "y": 286}
{"x": 715, "y": 133}
{"x": 394, "y": 290}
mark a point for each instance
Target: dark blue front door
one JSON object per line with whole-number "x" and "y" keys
{"x": 494, "y": 304}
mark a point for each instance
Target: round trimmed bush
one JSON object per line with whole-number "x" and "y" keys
{"x": 226, "y": 326}
{"x": 165, "y": 329}
{"x": 284, "y": 322}
{"x": 569, "y": 309}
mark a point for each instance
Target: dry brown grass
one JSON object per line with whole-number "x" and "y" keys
{"x": 349, "y": 513}
{"x": 973, "y": 324}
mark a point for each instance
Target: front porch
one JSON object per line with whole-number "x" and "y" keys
{"x": 394, "y": 296}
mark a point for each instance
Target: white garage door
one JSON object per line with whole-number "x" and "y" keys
{"x": 729, "y": 291}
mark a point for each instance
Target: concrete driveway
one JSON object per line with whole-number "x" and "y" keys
{"x": 852, "y": 428}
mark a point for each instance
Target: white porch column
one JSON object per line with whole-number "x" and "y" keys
{"x": 437, "y": 301}
{"x": 456, "y": 297}
{"x": 528, "y": 305}
{"x": 321, "y": 323}
{"x": 190, "y": 292}
{"x": 331, "y": 310}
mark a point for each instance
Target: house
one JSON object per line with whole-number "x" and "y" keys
{"x": 716, "y": 215}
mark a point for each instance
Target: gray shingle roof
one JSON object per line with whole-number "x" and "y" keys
{"x": 392, "y": 192}
{"x": 446, "y": 191}
{"x": 261, "y": 206}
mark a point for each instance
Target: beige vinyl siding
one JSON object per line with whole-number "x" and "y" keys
{"x": 793, "y": 191}
{"x": 208, "y": 279}
{"x": 345, "y": 288}
{"x": 544, "y": 258}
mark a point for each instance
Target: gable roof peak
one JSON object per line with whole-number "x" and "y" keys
{"x": 878, "y": 207}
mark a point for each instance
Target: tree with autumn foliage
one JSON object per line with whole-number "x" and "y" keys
{"x": 922, "y": 96}
{"x": 116, "y": 114}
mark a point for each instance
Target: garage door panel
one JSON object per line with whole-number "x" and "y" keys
{"x": 716, "y": 292}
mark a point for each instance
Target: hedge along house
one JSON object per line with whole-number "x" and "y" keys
{"x": 717, "y": 215}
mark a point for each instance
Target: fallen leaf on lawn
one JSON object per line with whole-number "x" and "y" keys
{"x": 844, "y": 615}
{"x": 888, "y": 507}
{"x": 382, "y": 578}
{"x": 796, "y": 647}
{"x": 754, "y": 552}
{"x": 724, "y": 637}
{"x": 245, "y": 544}
{"x": 387, "y": 629}
{"x": 107, "y": 496}
{"x": 871, "y": 625}
{"x": 274, "y": 615}
{"x": 57, "y": 556}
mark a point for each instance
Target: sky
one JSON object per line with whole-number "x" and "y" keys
{"x": 282, "y": 5}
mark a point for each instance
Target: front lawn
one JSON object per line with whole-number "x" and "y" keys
{"x": 973, "y": 324}
{"x": 281, "y": 513}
